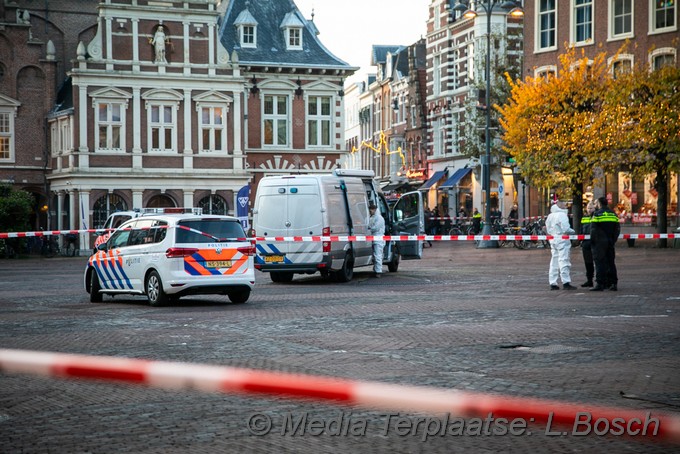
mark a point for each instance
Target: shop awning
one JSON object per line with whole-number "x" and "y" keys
{"x": 454, "y": 179}
{"x": 394, "y": 186}
{"x": 433, "y": 179}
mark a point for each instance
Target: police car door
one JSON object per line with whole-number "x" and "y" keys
{"x": 108, "y": 262}
{"x": 136, "y": 255}
{"x": 409, "y": 219}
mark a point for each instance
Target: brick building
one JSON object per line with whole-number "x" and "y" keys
{"x": 153, "y": 103}
{"x": 653, "y": 36}
{"x": 36, "y": 42}
{"x": 456, "y": 51}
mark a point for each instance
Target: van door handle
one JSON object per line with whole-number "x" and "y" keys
{"x": 287, "y": 224}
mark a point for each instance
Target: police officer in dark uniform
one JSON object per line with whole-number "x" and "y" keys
{"x": 604, "y": 231}
{"x": 585, "y": 245}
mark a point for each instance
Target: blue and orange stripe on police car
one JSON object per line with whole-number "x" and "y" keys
{"x": 195, "y": 263}
{"x": 105, "y": 263}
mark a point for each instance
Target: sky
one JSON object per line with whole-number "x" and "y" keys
{"x": 349, "y": 28}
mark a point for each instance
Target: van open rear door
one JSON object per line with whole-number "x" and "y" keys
{"x": 409, "y": 219}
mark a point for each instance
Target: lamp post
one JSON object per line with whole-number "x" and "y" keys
{"x": 488, "y": 6}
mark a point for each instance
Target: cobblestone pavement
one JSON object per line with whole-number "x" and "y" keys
{"x": 461, "y": 318}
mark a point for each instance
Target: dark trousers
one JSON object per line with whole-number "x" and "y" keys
{"x": 605, "y": 264}
{"x": 588, "y": 260}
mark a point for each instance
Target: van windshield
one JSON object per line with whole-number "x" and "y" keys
{"x": 212, "y": 230}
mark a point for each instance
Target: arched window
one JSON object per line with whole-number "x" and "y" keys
{"x": 213, "y": 204}
{"x": 104, "y": 206}
{"x": 161, "y": 201}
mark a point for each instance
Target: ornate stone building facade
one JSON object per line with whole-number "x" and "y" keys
{"x": 155, "y": 103}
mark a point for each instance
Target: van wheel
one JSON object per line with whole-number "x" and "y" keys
{"x": 95, "y": 287}
{"x": 346, "y": 273}
{"x": 281, "y": 276}
{"x": 393, "y": 266}
{"x": 154, "y": 290}
{"x": 239, "y": 297}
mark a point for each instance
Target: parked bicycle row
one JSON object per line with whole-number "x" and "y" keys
{"x": 499, "y": 226}
{"x": 47, "y": 246}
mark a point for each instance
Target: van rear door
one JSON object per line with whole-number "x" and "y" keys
{"x": 288, "y": 207}
{"x": 409, "y": 219}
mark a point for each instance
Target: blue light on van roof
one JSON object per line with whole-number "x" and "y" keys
{"x": 293, "y": 190}
{"x": 282, "y": 190}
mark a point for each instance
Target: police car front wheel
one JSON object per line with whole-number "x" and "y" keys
{"x": 95, "y": 287}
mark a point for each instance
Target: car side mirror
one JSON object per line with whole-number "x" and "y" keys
{"x": 399, "y": 215}
{"x": 102, "y": 247}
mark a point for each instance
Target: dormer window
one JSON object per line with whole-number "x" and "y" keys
{"x": 292, "y": 31}
{"x": 246, "y": 25}
{"x": 248, "y": 36}
{"x": 294, "y": 38}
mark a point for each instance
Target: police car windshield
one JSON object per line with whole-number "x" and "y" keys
{"x": 208, "y": 231}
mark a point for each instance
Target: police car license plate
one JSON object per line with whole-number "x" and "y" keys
{"x": 273, "y": 258}
{"x": 218, "y": 264}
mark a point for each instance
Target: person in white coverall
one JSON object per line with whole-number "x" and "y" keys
{"x": 557, "y": 224}
{"x": 376, "y": 224}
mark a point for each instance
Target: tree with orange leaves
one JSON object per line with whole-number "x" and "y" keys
{"x": 554, "y": 128}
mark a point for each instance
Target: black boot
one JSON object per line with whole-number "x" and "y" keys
{"x": 588, "y": 283}
{"x": 597, "y": 288}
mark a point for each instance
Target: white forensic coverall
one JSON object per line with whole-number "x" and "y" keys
{"x": 557, "y": 224}
{"x": 376, "y": 224}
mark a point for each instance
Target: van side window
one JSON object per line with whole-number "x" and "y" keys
{"x": 118, "y": 221}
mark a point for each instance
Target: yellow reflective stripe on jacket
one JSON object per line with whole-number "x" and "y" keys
{"x": 586, "y": 220}
{"x": 607, "y": 216}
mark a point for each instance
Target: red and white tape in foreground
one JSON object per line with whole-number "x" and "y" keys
{"x": 373, "y": 395}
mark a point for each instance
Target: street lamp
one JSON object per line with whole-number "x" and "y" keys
{"x": 515, "y": 11}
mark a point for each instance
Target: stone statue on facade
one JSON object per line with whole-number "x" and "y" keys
{"x": 159, "y": 41}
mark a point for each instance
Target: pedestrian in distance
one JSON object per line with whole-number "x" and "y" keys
{"x": 604, "y": 231}
{"x": 429, "y": 223}
{"x": 586, "y": 245}
{"x": 513, "y": 217}
{"x": 462, "y": 215}
{"x": 557, "y": 224}
{"x": 476, "y": 221}
{"x": 376, "y": 225}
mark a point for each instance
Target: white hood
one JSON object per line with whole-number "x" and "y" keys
{"x": 557, "y": 209}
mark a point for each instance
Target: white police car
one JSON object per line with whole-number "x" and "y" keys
{"x": 114, "y": 221}
{"x": 170, "y": 253}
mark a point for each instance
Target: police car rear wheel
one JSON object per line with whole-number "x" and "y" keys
{"x": 154, "y": 290}
{"x": 95, "y": 287}
{"x": 239, "y": 297}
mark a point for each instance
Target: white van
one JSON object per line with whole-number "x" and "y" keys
{"x": 331, "y": 204}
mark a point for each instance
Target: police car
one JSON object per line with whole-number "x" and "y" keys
{"x": 114, "y": 221}
{"x": 171, "y": 252}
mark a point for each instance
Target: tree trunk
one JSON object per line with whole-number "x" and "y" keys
{"x": 662, "y": 204}
{"x": 577, "y": 206}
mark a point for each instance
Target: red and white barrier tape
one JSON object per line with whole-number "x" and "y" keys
{"x": 42, "y": 233}
{"x": 344, "y": 238}
{"x": 374, "y": 395}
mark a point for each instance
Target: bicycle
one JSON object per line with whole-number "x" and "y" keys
{"x": 70, "y": 245}
{"x": 50, "y": 247}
